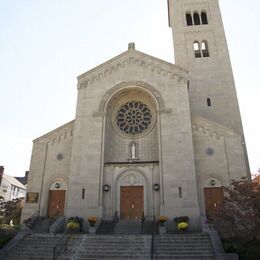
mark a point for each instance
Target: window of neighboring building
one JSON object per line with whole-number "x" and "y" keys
{"x": 189, "y": 19}
{"x": 196, "y": 19}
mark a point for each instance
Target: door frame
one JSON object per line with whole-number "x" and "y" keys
{"x": 49, "y": 201}
{"x": 131, "y": 178}
{"x": 63, "y": 185}
{"x": 141, "y": 198}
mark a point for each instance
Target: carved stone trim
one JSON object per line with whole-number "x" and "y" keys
{"x": 141, "y": 84}
{"x": 154, "y": 67}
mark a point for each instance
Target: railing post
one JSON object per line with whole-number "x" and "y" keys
{"x": 152, "y": 242}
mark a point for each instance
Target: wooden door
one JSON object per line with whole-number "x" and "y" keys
{"x": 132, "y": 202}
{"x": 214, "y": 201}
{"x": 56, "y": 203}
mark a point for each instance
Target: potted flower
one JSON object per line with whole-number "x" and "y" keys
{"x": 182, "y": 223}
{"x": 162, "y": 227}
{"x": 74, "y": 224}
{"x": 92, "y": 221}
{"x": 162, "y": 220}
{"x": 182, "y": 226}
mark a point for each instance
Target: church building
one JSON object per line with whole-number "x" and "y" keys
{"x": 149, "y": 137}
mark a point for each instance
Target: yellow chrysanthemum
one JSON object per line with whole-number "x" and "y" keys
{"x": 183, "y": 225}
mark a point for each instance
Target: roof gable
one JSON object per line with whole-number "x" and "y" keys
{"x": 13, "y": 181}
{"x": 132, "y": 56}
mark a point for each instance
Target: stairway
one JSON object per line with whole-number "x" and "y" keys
{"x": 35, "y": 246}
{"x": 183, "y": 246}
{"x": 114, "y": 247}
{"x": 42, "y": 225}
{"x": 80, "y": 247}
{"x": 128, "y": 227}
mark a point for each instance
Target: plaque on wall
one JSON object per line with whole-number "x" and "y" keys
{"x": 32, "y": 197}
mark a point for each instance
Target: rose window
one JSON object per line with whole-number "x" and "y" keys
{"x": 134, "y": 117}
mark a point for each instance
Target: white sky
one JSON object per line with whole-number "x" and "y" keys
{"x": 46, "y": 44}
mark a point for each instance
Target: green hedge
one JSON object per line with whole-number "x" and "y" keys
{"x": 246, "y": 250}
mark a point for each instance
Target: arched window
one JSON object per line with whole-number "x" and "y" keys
{"x": 196, "y": 48}
{"x": 205, "y": 49}
{"x": 204, "y": 18}
{"x": 189, "y": 19}
{"x": 196, "y": 19}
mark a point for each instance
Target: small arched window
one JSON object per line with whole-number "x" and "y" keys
{"x": 204, "y": 18}
{"x": 205, "y": 49}
{"x": 196, "y": 48}
{"x": 196, "y": 19}
{"x": 189, "y": 19}
{"x": 209, "y": 102}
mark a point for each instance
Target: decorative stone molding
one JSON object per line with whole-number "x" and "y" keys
{"x": 145, "y": 61}
{"x": 198, "y": 30}
{"x": 212, "y": 129}
{"x": 131, "y": 180}
{"x": 58, "y": 135}
{"x": 144, "y": 85}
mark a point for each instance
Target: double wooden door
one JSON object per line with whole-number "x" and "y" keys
{"x": 214, "y": 201}
{"x": 56, "y": 203}
{"x": 132, "y": 202}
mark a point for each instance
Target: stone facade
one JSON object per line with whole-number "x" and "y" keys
{"x": 143, "y": 122}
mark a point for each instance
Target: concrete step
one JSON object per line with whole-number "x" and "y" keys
{"x": 183, "y": 246}
{"x": 114, "y": 247}
{"x": 35, "y": 246}
{"x": 128, "y": 227}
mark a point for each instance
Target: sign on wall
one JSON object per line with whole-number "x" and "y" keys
{"x": 32, "y": 197}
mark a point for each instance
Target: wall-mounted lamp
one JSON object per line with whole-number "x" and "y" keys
{"x": 156, "y": 187}
{"x": 106, "y": 188}
{"x": 57, "y": 185}
{"x": 213, "y": 182}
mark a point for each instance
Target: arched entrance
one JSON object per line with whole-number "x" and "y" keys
{"x": 214, "y": 198}
{"x": 57, "y": 196}
{"x": 131, "y": 190}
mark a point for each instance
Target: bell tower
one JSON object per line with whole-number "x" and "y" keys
{"x": 200, "y": 46}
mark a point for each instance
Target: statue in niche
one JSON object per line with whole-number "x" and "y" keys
{"x": 133, "y": 150}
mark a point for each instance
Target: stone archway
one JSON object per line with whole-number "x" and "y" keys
{"x": 57, "y": 198}
{"x": 213, "y": 198}
{"x": 131, "y": 198}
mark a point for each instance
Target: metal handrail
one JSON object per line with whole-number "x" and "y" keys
{"x": 142, "y": 224}
{"x": 115, "y": 219}
{"x": 56, "y": 250}
{"x": 152, "y": 241}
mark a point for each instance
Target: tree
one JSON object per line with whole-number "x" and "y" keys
{"x": 241, "y": 217}
{"x": 10, "y": 210}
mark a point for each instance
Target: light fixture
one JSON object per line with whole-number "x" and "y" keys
{"x": 212, "y": 182}
{"x": 57, "y": 185}
{"x": 106, "y": 188}
{"x": 156, "y": 187}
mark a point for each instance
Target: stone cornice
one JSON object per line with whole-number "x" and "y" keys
{"x": 143, "y": 60}
{"x": 207, "y": 127}
{"x": 55, "y": 136}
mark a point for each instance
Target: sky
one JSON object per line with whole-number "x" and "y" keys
{"x": 46, "y": 44}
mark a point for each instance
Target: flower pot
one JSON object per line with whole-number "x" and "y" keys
{"x": 92, "y": 230}
{"x": 162, "y": 229}
{"x": 92, "y": 223}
